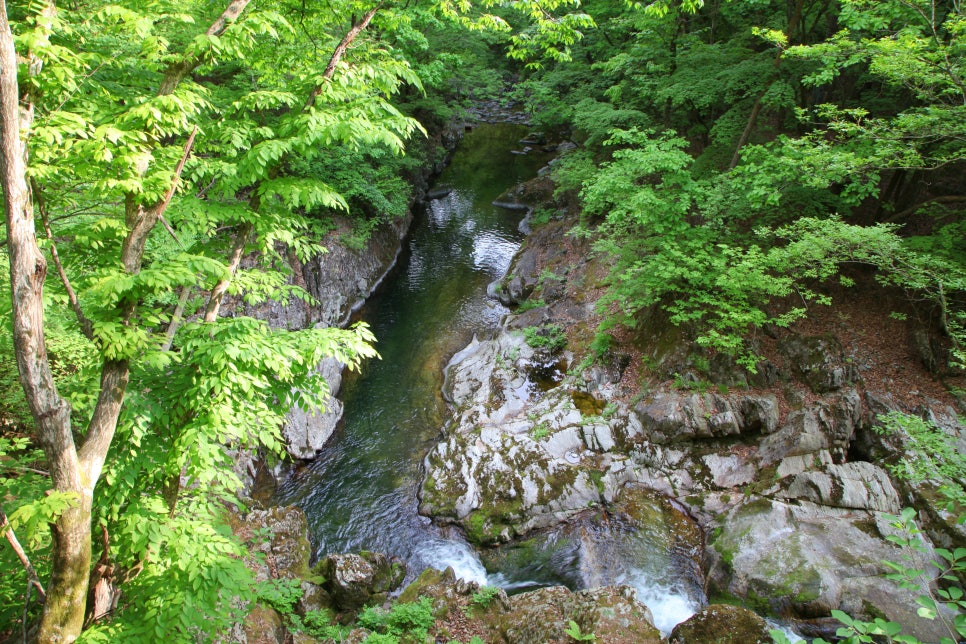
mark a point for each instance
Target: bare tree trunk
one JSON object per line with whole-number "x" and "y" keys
{"x": 756, "y": 109}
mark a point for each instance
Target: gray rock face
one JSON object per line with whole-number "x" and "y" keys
{"x": 517, "y": 458}
{"x": 829, "y": 425}
{"x": 340, "y": 279}
{"x": 306, "y": 431}
{"x": 819, "y": 362}
{"x": 806, "y": 560}
{"x": 511, "y": 487}
{"x": 673, "y": 417}
{"x": 858, "y": 485}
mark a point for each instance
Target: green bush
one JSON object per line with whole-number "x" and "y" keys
{"x": 403, "y": 622}
{"x": 546, "y": 336}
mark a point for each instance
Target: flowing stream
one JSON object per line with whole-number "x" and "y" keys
{"x": 360, "y": 493}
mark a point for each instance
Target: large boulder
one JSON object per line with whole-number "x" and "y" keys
{"x": 357, "y": 580}
{"x": 286, "y": 551}
{"x": 499, "y": 485}
{"x": 827, "y": 425}
{"x": 804, "y": 560}
{"x": 446, "y": 591}
{"x": 262, "y": 625}
{"x": 306, "y": 431}
{"x": 524, "y": 451}
{"x": 611, "y": 613}
{"x": 722, "y": 624}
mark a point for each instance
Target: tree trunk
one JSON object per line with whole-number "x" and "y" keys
{"x": 756, "y": 109}
{"x": 63, "y": 615}
{"x": 72, "y": 471}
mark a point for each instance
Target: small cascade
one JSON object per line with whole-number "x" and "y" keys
{"x": 601, "y": 549}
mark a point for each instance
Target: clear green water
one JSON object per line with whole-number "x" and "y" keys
{"x": 360, "y": 493}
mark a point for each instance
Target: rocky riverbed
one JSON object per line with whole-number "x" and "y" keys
{"x": 767, "y": 490}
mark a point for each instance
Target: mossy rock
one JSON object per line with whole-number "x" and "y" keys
{"x": 611, "y": 613}
{"x": 447, "y": 592}
{"x": 264, "y": 625}
{"x": 722, "y": 624}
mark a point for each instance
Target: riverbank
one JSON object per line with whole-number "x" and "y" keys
{"x": 572, "y": 458}
{"x": 783, "y": 473}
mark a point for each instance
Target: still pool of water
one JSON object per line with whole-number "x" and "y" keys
{"x": 360, "y": 493}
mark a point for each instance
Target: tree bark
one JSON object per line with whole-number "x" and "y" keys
{"x": 61, "y": 621}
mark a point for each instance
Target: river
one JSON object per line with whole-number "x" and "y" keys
{"x": 360, "y": 493}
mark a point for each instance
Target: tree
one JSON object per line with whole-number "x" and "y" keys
{"x": 105, "y": 129}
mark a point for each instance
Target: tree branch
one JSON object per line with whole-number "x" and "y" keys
{"x": 177, "y": 71}
{"x": 908, "y": 211}
{"x": 218, "y": 293}
{"x": 176, "y": 318}
{"x": 339, "y": 52}
{"x": 8, "y": 532}
{"x": 87, "y": 326}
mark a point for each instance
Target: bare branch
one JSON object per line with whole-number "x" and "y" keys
{"x": 340, "y": 50}
{"x": 218, "y": 293}
{"x": 8, "y": 532}
{"x": 87, "y": 326}
{"x": 176, "y": 318}
{"x": 177, "y": 71}
{"x": 908, "y": 211}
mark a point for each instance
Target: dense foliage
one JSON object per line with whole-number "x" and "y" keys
{"x": 160, "y": 152}
{"x": 735, "y": 155}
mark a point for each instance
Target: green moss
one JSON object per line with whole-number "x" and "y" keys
{"x": 598, "y": 478}
{"x": 476, "y": 528}
{"x": 587, "y": 404}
